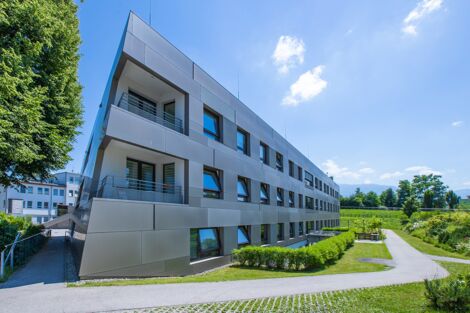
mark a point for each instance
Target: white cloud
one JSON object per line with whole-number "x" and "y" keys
{"x": 467, "y": 183}
{"x": 333, "y": 169}
{"x": 423, "y": 8}
{"x": 288, "y": 53}
{"x": 367, "y": 181}
{"x": 307, "y": 86}
{"x": 366, "y": 170}
{"x": 422, "y": 170}
{"x": 390, "y": 175}
{"x": 457, "y": 123}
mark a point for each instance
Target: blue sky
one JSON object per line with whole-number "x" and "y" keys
{"x": 371, "y": 91}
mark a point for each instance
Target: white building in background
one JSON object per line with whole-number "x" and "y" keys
{"x": 40, "y": 200}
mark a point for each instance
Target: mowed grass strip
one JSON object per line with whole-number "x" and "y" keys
{"x": 425, "y": 247}
{"x": 348, "y": 263}
{"x": 389, "y": 299}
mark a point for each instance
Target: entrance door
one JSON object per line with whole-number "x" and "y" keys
{"x": 169, "y": 115}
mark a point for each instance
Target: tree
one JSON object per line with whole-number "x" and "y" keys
{"x": 403, "y": 192}
{"x": 428, "y": 199}
{"x": 40, "y": 96}
{"x": 411, "y": 205}
{"x": 371, "y": 199}
{"x": 388, "y": 198}
{"x": 424, "y": 185}
{"x": 452, "y": 199}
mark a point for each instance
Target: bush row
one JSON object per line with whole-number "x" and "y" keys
{"x": 306, "y": 258}
{"x": 341, "y": 229}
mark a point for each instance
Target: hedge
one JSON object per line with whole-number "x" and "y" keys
{"x": 341, "y": 229}
{"x": 306, "y": 258}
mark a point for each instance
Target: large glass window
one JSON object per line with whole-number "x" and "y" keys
{"x": 140, "y": 175}
{"x": 264, "y": 234}
{"x": 291, "y": 230}
{"x": 39, "y": 205}
{"x": 211, "y": 125}
{"x": 308, "y": 203}
{"x": 263, "y": 153}
{"x": 243, "y": 236}
{"x": 301, "y": 201}
{"x": 299, "y": 173}
{"x": 39, "y": 190}
{"x": 308, "y": 179}
{"x": 279, "y": 162}
{"x": 242, "y": 141}
{"x": 291, "y": 199}
{"x": 204, "y": 242}
{"x": 30, "y": 189}
{"x": 264, "y": 193}
{"x": 280, "y": 231}
{"x": 280, "y": 197}
{"x": 212, "y": 186}
{"x": 55, "y": 192}
{"x": 291, "y": 168}
{"x": 61, "y": 192}
{"x": 46, "y": 191}
{"x": 22, "y": 189}
{"x": 301, "y": 228}
{"x": 243, "y": 193}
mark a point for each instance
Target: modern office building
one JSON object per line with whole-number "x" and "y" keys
{"x": 40, "y": 199}
{"x": 179, "y": 172}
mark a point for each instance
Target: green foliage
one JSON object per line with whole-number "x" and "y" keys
{"x": 40, "y": 95}
{"x": 306, "y": 258}
{"x": 430, "y": 190}
{"x": 372, "y": 200}
{"x": 452, "y": 199}
{"x": 403, "y": 192}
{"x": 410, "y": 206}
{"x": 452, "y": 294}
{"x": 388, "y": 198}
{"x": 341, "y": 229}
{"x": 355, "y": 218}
{"x": 10, "y": 225}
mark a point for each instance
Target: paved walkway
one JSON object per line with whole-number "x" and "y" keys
{"x": 447, "y": 259}
{"x": 411, "y": 266}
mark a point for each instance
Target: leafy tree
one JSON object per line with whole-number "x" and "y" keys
{"x": 388, "y": 198}
{"x": 403, "y": 192}
{"x": 371, "y": 199}
{"x": 423, "y": 183}
{"x": 428, "y": 199}
{"x": 40, "y": 96}
{"x": 452, "y": 199}
{"x": 411, "y": 205}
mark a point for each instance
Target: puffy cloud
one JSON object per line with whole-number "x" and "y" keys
{"x": 391, "y": 175}
{"x": 333, "y": 169}
{"x": 367, "y": 170}
{"x": 288, "y": 53}
{"x": 423, "y": 8}
{"x": 422, "y": 170}
{"x": 457, "y": 124}
{"x": 307, "y": 86}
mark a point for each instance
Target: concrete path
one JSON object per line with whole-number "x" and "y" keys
{"x": 411, "y": 266}
{"x": 448, "y": 259}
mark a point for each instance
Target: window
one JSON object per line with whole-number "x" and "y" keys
{"x": 308, "y": 179}
{"x": 242, "y": 141}
{"x": 70, "y": 204}
{"x": 46, "y": 191}
{"x": 291, "y": 199}
{"x": 61, "y": 192}
{"x": 30, "y": 189}
{"x": 280, "y": 231}
{"x": 301, "y": 228}
{"x": 29, "y": 204}
{"x": 279, "y": 162}
{"x": 301, "y": 201}
{"x": 54, "y": 205}
{"x": 70, "y": 193}
{"x": 76, "y": 193}
{"x": 263, "y": 153}
{"x": 299, "y": 173}
{"x": 264, "y": 193}
{"x": 212, "y": 186}
{"x": 212, "y": 125}
{"x": 39, "y": 190}
{"x": 55, "y": 192}
{"x": 46, "y": 205}
{"x": 316, "y": 204}
{"x": 321, "y": 205}
{"x": 204, "y": 243}
{"x": 71, "y": 179}
{"x": 308, "y": 203}
{"x": 291, "y": 230}
{"x": 22, "y": 189}
{"x": 243, "y": 236}
{"x": 291, "y": 168}
{"x": 39, "y": 205}
{"x": 280, "y": 197}
{"x": 316, "y": 183}
{"x": 243, "y": 193}
{"x": 140, "y": 175}
{"x": 264, "y": 234}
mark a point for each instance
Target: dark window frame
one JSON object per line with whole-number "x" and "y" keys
{"x": 280, "y": 196}
{"x": 246, "y": 185}
{"x": 267, "y": 200}
{"x": 301, "y": 228}
{"x": 246, "y": 232}
{"x": 291, "y": 199}
{"x": 265, "y": 148}
{"x": 142, "y": 184}
{"x": 264, "y": 233}
{"x": 217, "y": 136}
{"x": 291, "y": 168}
{"x": 208, "y": 253}
{"x": 291, "y": 230}
{"x": 309, "y": 203}
{"x": 300, "y": 171}
{"x": 279, "y": 162}
{"x": 280, "y": 231}
{"x": 209, "y": 193}
{"x": 246, "y": 149}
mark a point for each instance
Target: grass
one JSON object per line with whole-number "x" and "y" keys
{"x": 425, "y": 247}
{"x": 464, "y": 204}
{"x": 354, "y": 217}
{"x": 391, "y": 299}
{"x": 347, "y": 264}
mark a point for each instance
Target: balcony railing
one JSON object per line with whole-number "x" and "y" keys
{"x": 150, "y": 111}
{"x": 133, "y": 189}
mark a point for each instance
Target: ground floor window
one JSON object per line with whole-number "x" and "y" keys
{"x": 301, "y": 228}
{"x": 264, "y": 234}
{"x": 204, "y": 243}
{"x": 280, "y": 231}
{"x": 291, "y": 230}
{"x": 243, "y": 236}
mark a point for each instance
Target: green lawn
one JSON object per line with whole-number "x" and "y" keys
{"x": 464, "y": 204}
{"x": 354, "y": 217}
{"x": 425, "y": 247}
{"x": 405, "y": 298}
{"x": 347, "y": 264}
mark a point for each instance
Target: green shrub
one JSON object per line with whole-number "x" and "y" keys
{"x": 341, "y": 229}
{"x": 450, "y": 294}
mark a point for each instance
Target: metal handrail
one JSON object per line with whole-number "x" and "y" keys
{"x": 150, "y": 111}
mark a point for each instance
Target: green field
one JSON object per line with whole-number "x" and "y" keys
{"x": 391, "y": 299}
{"x": 347, "y": 264}
{"x": 464, "y": 204}
{"x": 354, "y": 217}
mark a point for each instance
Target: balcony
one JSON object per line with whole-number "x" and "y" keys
{"x": 132, "y": 189}
{"x": 150, "y": 111}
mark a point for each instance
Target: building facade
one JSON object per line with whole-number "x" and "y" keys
{"x": 40, "y": 200}
{"x": 178, "y": 172}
